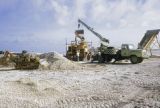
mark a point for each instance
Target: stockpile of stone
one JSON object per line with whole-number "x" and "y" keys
{"x": 56, "y": 61}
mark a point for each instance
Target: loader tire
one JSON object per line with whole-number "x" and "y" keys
{"x": 108, "y": 59}
{"x": 134, "y": 59}
{"x": 101, "y": 59}
{"x": 140, "y": 60}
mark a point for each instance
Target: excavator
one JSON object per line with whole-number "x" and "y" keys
{"x": 107, "y": 53}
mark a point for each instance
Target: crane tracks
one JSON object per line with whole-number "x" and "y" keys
{"x": 147, "y": 102}
{"x": 147, "y": 85}
{"x": 88, "y": 102}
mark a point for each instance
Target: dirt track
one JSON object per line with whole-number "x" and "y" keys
{"x": 103, "y": 86}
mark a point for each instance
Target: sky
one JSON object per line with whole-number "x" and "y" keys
{"x": 45, "y": 25}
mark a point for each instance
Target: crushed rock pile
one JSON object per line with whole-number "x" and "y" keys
{"x": 56, "y": 61}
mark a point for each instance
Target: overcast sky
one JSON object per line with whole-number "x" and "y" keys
{"x": 44, "y": 25}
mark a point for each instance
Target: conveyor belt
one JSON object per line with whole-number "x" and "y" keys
{"x": 148, "y": 39}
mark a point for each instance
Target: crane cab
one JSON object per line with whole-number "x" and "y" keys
{"x": 79, "y": 49}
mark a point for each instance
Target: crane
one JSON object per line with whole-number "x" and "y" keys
{"x": 104, "y": 41}
{"x": 106, "y": 53}
{"x": 79, "y": 34}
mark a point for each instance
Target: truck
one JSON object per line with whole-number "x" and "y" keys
{"x": 108, "y": 53}
{"x": 127, "y": 51}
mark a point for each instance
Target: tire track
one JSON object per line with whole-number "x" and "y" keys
{"x": 89, "y": 102}
{"x": 150, "y": 84}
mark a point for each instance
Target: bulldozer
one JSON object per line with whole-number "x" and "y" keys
{"x": 78, "y": 50}
{"x": 20, "y": 61}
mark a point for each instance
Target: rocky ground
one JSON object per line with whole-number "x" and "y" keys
{"x": 120, "y": 85}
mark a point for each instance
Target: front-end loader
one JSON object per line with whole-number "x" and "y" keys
{"x": 20, "y": 61}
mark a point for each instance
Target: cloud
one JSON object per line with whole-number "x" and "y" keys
{"x": 80, "y": 8}
{"x": 51, "y": 21}
{"x": 61, "y": 12}
{"x": 57, "y": 8}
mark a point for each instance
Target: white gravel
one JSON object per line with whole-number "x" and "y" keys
{"x": 56, "y": 61}
{"x": 99, "y": 85}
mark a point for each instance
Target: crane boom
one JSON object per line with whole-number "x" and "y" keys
{"x": 94, "y": 32}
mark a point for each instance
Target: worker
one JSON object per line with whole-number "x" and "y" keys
{"x": 99, "y": 55}
{"x": 77, "y": 55}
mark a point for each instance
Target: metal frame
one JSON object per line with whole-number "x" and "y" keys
{"x": 155, "y": 44}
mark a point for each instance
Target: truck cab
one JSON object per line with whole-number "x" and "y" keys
{"x": 128, "y": 51}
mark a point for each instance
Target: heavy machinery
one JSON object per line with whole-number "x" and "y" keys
{"x": 5, "y": 58}
{"x": 107, "y": 53}
{"x": 78, "y": 50}
{"x": 26, "y": 61}
{"x": 20, "y": 60}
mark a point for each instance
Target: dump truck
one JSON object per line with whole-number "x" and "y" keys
{"x": 107, "y": 53}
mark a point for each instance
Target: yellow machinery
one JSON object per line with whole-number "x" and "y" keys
{"x": 20, "y": 61}
{"x": 5, "y": 59}
{"x": 26, "y": 61}
{"x": 78, "y": 50}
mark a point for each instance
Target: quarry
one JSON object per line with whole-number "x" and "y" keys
{"x": 61, "y": 83}
{"x": 104, "y": 77}
{"x": 120, "y": 85}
